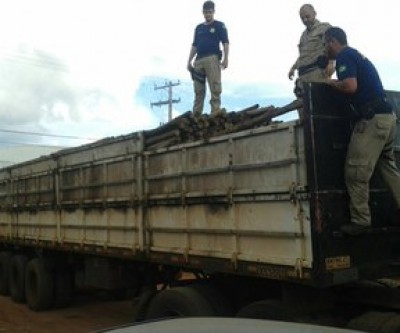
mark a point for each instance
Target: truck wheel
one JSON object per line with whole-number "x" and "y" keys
{"x": 17, "y": 278}
{"x": 39, "y": 284}
{"x": 385, "y": 322}
{"x": 179, "y": 302}
{"x": 142, "y": 302}
{"x": 5, "y": 259}
{"x": 267, "y": 309}
{"x": 217, "y": 300}
{"x": 392, "y": 325}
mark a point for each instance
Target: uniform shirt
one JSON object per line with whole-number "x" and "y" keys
{"x": 312, "y": 44}
{"x": 352, "y": 64}
{"x": 207, "y": 38}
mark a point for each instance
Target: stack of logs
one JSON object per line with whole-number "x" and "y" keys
{"x": 187, "y": 127}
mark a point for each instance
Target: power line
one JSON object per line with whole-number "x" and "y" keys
{"x": 31, "y": 144}
{"x": 48, "y": 135}
{"x": 34, "y": 60}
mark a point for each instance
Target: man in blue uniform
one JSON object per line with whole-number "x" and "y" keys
{"x": 209, "y": 59}
{"x": 371, "y": 143}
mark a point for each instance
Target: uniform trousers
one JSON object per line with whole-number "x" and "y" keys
{"x": 210, "y": 66}
{"x": 370, "y": 147}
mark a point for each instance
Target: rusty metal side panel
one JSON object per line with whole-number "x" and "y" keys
{"x": 264, "y": 232}
{"x": 86, "y": 196}
{"x": 241, "y": 197}
{"x": 26, "y": 169}
{"x": 5, "y": 224}
{"x": 109, "y": 148}
{"x": 105, "y": 228}
{"x": 106, "y": 181}
{"x": 270, "y": 160}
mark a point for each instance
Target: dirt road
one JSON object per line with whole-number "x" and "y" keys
{"x": 87, "y": 314}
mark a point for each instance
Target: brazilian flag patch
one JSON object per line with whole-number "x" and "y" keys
{"x": 342, "y": 69}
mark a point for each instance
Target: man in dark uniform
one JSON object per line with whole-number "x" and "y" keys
{"x": 209, "y": 59}
{"x": 371, "y": 143}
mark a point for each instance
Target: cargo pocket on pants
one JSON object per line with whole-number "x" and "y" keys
{"x": 357, "y": 171}
{"x": 383, "y": 127}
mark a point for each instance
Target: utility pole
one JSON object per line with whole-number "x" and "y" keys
{"x": 170, "y": 101}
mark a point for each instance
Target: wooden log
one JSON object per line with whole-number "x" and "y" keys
{"x": 294, "y": 105}
{"x": 249, "y": 108}
{"x": 256, "y": 112}
{"x": 174, "y": 123}
{"x": 250, "y": 123}
{"x": 187, "y": 128}
{"x": 267, "y": 115}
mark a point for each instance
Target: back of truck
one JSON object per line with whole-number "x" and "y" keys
{"x": 340, "y": 258}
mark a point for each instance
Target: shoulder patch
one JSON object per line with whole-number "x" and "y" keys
{"x": 342, "y": 68}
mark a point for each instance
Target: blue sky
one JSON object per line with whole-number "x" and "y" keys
{"x": 88, "y": 68}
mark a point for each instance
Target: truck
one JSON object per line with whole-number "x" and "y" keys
{"x": 245, "y": 223}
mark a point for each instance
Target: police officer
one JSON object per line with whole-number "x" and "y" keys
{"x": 312, "y": 63}
{"x": 371, "y": 143}
{"x": 209, "y": 59}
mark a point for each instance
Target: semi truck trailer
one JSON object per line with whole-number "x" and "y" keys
{"x": 244, "y": 224}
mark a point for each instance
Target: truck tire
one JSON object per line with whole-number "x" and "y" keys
{"x": 17, "y": 278}
{"x": 141, "y": 303}
{"x": 39, "y": 284}
{"x": 179, "y": 302}
{"x": 267, "y": 309}
{"x": 218, "y": 301}
{"x": 373, "y": 321}
{"x": 5, "y": 259}
{"x": 392, "y": 325}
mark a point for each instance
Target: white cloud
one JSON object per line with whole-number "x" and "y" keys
{"x": 110, "y": 45}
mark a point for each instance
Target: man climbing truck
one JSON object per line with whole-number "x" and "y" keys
{"x": 252, "y": 215}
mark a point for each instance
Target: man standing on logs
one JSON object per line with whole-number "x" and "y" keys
{"x": 209, "y": 60}
{"x": 312, "y": 63}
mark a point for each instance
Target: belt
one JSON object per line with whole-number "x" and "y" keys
{"x": 384, "y": 112}
{"x": 378, "y": 105}
{"x": 307, "y": 68}
{"x": 204, "y": 55}
{"x": 321, "y": 62}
